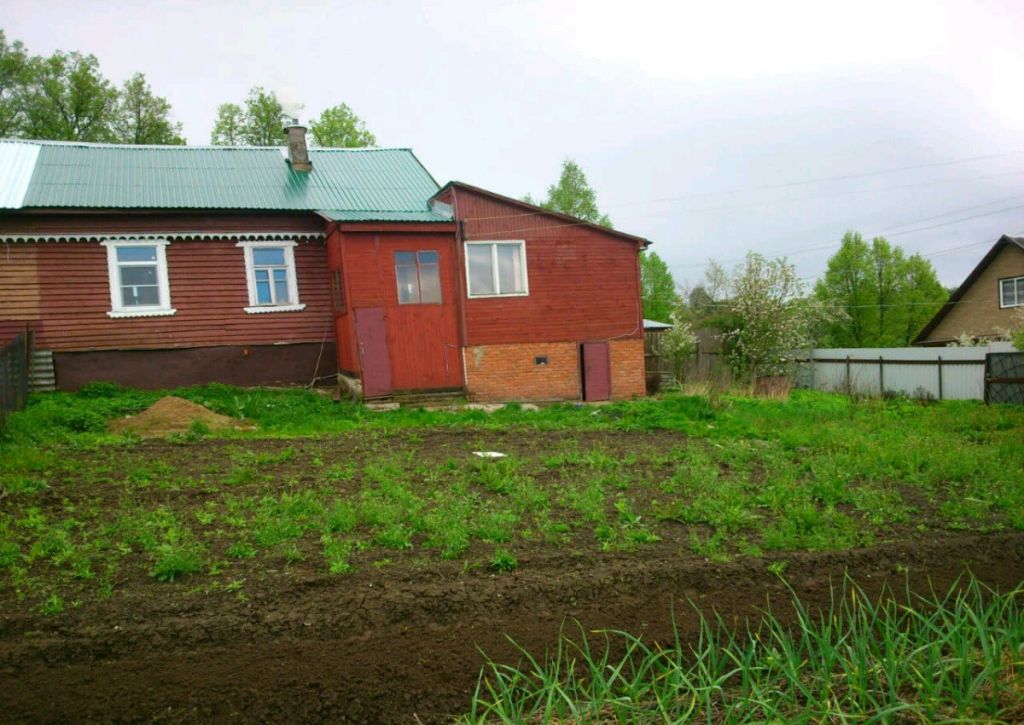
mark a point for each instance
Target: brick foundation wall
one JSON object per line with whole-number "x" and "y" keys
{"x": 627, "y": 358}
{"x": 510, "y": 372}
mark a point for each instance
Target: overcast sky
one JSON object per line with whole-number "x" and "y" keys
{"x": 710, "y": 128}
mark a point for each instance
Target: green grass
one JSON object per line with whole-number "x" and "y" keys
{"x": 338, "y": 487}
{"x": 952, "y": 658}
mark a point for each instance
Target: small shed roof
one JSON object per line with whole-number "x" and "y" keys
{"x": 655, "y": 326}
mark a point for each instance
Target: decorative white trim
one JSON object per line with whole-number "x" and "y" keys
{"x": 274, "y": 308}
{"x": 117, "y": 308}
{"x": 250, "y": 277}
{"x": 169, "y": 236}
{"x": 142, "y": 313}
{"x": 521, "y": 243}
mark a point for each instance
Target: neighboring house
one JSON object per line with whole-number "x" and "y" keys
{"x": 985, "y": 304}
{"x": 165, "y": 266}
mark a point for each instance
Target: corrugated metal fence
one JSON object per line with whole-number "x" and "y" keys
{"x": 943, "y": 373}
{"x": 14, "y": 362}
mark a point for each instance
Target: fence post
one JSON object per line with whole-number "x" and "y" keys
{"x": 881, "y": 376}
{"x": 940, "y": 377}
{"x": 849, "y": 388}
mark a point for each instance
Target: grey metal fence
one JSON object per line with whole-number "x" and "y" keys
{"x": 14, "y": 362}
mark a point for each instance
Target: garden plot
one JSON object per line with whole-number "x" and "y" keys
{"x": 333, "y": 551}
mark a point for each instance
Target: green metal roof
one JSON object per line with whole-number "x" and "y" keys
{"x": 359, "y": 181}
{"x": 343, "y": 215}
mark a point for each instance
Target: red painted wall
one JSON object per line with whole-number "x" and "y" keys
{"x": 67, "y": 284}
{"x": 584, "y": 283}
{"x": 423, "y": 339}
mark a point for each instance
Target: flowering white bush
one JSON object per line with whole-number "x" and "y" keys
{"x": 678, "y": 343}
{"x": 774, "y": 317}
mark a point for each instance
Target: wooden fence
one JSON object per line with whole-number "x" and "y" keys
{"x": 14, "y": 363}
{"x": 942, "y": 373}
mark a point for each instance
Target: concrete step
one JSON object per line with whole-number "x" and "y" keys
{"x": 41, "y": 376}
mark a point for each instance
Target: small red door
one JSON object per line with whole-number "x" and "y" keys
{"x": 597, "y": 371}
{"x": 371, "y": 334}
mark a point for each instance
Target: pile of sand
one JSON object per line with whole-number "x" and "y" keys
{"x": 174, "y": 415}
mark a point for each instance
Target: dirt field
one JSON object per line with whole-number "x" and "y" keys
{"x": 401, "y": 636}
{"x": 405, "y": 642}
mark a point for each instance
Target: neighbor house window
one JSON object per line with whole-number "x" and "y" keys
{"x": 138, "y": 278}
{"x": 496, "y": 269}
{"x": 270, "y": 277}
{"x": 418, "y": 277}
{"x": 1011, "y": 292}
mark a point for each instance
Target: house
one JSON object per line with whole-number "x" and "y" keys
{"x": 166, "y": 266}
{"x": 985, "y": 304}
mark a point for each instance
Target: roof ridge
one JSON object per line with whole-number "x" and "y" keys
{"x": 201, "y": 147}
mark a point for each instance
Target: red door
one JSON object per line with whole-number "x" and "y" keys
{"x": 597, "y": 371}
{"x": 371, "y": 334}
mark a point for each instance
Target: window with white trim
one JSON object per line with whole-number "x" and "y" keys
{"x": 137, "y": 270}
{"x": 270, "y": 277}
{"x": 1011, "y": 292}
{"x": 496, "y": 269}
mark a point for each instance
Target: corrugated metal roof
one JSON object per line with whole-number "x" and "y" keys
{"x": 343, "y": 215}
{"x": 655, "y": 325}
{"x": 218, "y": 177}
{"x": 17, "y": 161}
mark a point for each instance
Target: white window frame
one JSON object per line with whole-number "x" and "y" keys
{"x": 1018, "y": 302}
{"x": 250, "y": 278}
{"x": 521, "y": 243}
{"x": 117, "y": 307}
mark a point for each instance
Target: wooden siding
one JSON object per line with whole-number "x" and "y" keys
{"x": 114, "y": 222}
{"x": 423, "y": 340}
{"x": 208, "y": 290}
{"x": 584, "y": 283}
{"x": 19, "y": 293}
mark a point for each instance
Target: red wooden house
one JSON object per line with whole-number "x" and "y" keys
{"x": 166, "y": 266}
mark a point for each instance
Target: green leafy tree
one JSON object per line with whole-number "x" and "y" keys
{"x": 572, "y": 195}
{"x": 14, "y": 75}
{"x": 339, "y": 127}
{"x": 1016, "y": 333}
{"x": 143, "y": 118}
{"x": 259, "y": 122}
{"x": 228, "y": 128}
{"x": 883, "y": 297}
{"x": 67, "y": 99}
{"x": 658, "y": 289}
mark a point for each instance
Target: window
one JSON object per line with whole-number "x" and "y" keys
{"x": 418, "y": 277}
{"x": 1011, "y": 292}
{"x": 270, "y": 277}
{"x": 138, "y": 278}
{"x": 337, "y": 291}
{"x": 496, "y": 269}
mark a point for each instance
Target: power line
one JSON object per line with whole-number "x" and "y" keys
{"x": 791, "y": 184}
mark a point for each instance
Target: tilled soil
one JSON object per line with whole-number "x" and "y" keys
{"x": 405, "y": 643}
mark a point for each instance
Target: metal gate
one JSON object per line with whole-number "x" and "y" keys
{"x": 14, "y": 358}
{"x": 1004, "y": 377}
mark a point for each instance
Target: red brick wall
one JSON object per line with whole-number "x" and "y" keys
{"x": 627, "y": 369}
{"x": 509, "y": 372}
